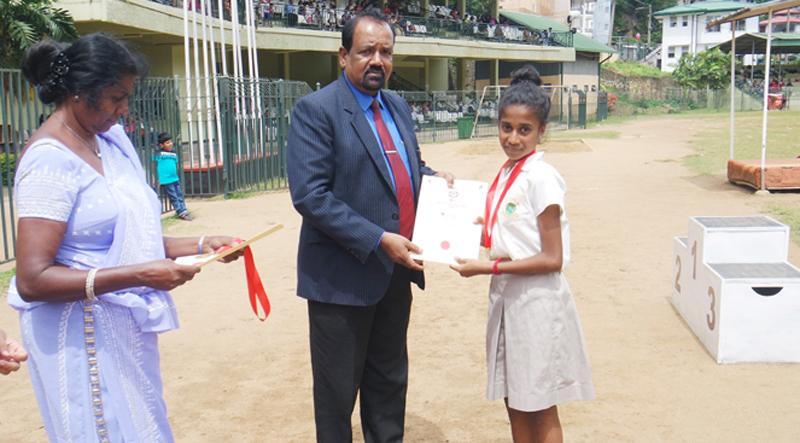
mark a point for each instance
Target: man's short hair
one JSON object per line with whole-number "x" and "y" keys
{"x": 164, "y": 136}
{"x": 349, "y": 29}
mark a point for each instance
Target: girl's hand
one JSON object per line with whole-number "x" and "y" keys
{"x": 469, "y": 267}
{"x": 166, "y": 274}
{"x": 219, "y": 243}
{"x": 479, "y": 220}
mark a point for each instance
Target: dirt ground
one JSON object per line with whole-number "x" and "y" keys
{"x": 230, "y": 377}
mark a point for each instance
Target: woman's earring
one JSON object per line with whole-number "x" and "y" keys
{"x": 75, "y": 97}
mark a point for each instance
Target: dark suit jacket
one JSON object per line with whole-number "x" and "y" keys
{"x": 340, "y": 184}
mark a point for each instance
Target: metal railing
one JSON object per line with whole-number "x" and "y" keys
{"x": 321, "y": 17}
{"x": 21, "y": 113}
{"x": 629, "y": 49}
{"x": 421, "y": 26}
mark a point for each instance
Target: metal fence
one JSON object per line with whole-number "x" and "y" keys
{"x": 602, "y": 106}
{"x": 228, "y": 141}
{"x": 152, "y": 110}
{"x": 230, "y": 135}
{"x": 20, "y": 114}
{"x": 450, "y": 115}
{"x": 240, "y": 148}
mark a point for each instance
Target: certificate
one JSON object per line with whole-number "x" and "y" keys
{"x": 445, "y": 225}
{"x": 204, "y": 259}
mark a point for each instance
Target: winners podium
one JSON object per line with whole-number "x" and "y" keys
{"x": 733, "y": 286}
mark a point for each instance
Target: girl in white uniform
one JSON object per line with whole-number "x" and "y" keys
{"x": 534, "y": 344}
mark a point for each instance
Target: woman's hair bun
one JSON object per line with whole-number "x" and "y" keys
{"x": 37, "y": 64}
{"x": 526, "y": 73}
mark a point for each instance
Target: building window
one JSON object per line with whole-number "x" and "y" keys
{"x": 712, "y": 29}
{"x": 670, "y": 52}
{"x": 673, "y": 22}
{"x": 684, "y": 50}
{"x": 741, "y": 25}
{"x": 685, "y": 21}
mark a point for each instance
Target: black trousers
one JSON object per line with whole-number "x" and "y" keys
{"x": 361, "y": 349}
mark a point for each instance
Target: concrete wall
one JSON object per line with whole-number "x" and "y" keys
{"x": 160, "y": 59}
{"x": 312, "y": 67}
{"x": 636, "y": 87}
{"x": 582, "y": 73}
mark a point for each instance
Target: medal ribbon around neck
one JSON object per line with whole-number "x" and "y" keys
{"x": 490, "y": 218}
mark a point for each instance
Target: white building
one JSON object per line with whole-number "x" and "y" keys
{"x": 684, "y": 28}
{"x": 593, "y": 18}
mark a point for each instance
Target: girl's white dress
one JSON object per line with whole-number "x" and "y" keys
{"x": 535, "y": 351}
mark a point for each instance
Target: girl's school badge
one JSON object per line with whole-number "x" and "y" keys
{"x": 510, "y": 208}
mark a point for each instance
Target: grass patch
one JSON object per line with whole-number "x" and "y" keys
{"x": 789, "y": 215}
{"x": 712, "y": 146}
{"x": 239, "y": 195}
{"x": 167, "y": 222}
{"x": 634, "y": 69}
{"x": 5, "y": 279}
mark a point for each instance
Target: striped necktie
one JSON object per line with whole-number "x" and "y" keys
{"x": 402, "y": 181}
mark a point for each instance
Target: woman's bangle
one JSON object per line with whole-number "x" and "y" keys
{"x": 496, "y": 267}
{"x": 200, "y": 244}
{"x": 90, "y": 285}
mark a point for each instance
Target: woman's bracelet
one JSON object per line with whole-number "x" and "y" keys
{"x": 200, "y": 245}
{"x": 90, "y": 285}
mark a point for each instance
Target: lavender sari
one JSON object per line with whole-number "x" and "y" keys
{"x": 112, "y": 220}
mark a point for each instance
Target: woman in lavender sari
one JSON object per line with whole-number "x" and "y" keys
{"x": 92, "y": 265}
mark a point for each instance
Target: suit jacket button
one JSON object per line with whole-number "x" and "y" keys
{"x": 395, "y": 217}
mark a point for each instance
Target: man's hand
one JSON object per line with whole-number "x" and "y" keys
{"x": 447, "y": 176}
{"x": 399, "y": 248}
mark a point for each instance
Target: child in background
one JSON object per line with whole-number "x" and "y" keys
{"x": 535, "y": 350}
{"x": 167, "y": 166}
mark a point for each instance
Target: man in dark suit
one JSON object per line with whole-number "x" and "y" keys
{"x": 354, "y": 171}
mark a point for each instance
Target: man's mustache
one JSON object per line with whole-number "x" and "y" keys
{"x": 374, "y": 71}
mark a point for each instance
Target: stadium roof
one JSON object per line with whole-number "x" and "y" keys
{"x": 756, "y": 42}
{"x": 580, "y": 42}
{"x": 707, "y": 7}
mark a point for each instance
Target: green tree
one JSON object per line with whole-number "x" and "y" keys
{"x": 707, "y": 69}
{"x": 630, "y": 17}
{"x": 478, "y": 7}
{"x": 25, "y": 22}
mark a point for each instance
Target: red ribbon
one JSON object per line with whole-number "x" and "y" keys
{"x": 490, "y": 218}
{"x": 254, "y": 286}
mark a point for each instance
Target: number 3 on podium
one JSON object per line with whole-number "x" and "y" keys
{"x": 711, "y": 318}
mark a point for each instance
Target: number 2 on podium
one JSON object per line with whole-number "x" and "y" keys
{"x": 694, "y": 260}
{"x": 678, "y": 275}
